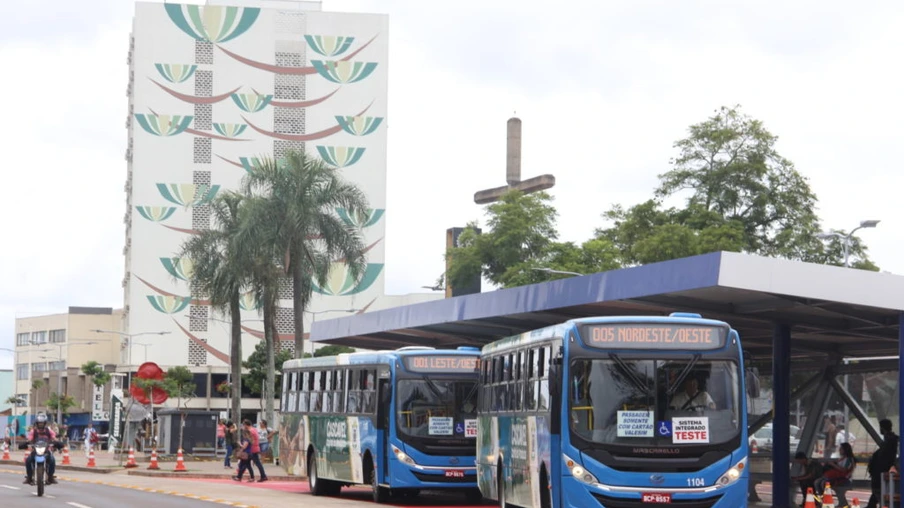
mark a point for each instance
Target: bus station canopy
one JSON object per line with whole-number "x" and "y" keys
{"x": 831, "y": 310}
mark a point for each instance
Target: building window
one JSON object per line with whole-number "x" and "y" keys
{"x": 22, "y": 339}
{"x": 22, "y": 371}
{"x": 39, "y": 337}
{"x": 61, "y": 365}
{"x": 39, "y": 367}
{"x": 57, "y": 336}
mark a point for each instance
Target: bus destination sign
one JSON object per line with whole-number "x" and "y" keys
{"x": 653, "y": 336}
{"x": 442, "y": 364}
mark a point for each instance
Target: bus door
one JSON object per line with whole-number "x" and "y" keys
{"x": 384, "y": 399}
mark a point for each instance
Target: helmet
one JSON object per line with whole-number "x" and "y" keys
{"x": 41, "y": 418}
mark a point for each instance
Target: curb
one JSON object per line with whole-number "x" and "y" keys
{"x": 61, "y": 467}
{"x": 207, "y": 476}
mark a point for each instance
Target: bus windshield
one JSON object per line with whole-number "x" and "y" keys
{"x": 675, "y": 402}
{"x": 440, "y": 408}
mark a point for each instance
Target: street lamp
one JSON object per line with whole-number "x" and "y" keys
{"x": 129, "y": 341}
{"x": 846, "y": 239}
{"x": 562, "y": 272}
{"x": 314, "y": 313}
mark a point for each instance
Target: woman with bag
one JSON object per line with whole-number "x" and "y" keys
{"x": 244, "y": 457}
{"x": 839, "y": 469}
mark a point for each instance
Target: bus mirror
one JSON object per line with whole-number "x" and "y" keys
{"x": 752, "y": 380}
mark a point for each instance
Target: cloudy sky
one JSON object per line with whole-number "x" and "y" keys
{"x": 603, "y": 87}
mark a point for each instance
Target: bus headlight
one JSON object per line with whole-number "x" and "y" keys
{"x": 402, "y": 456}
{"x": 732, "y": 474}
{"x": 579, "y": 472}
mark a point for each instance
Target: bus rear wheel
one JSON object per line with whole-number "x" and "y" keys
{"x": 545, "y": 491}
{"x": 319, "y": 486}
{"x": 500, "y": 487}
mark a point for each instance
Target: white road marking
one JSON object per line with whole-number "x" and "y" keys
{"x": 10, "y": 487}
{"x": 78, "y": 505}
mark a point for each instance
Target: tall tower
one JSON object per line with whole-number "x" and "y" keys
{"x": 211, "y": 89}
{"x": 513, "y": 169}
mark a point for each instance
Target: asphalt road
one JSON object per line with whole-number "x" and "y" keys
{"x": 14, "y": 493}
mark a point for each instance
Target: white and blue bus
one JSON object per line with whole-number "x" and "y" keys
{"x": 615, "y": 412}
{"x": 402, "y": 421}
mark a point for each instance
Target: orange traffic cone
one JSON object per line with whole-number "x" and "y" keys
{"x": 180, "y": 465}
{"x": 91, "y": 458}
{"x": 153, "y": 464}
{"x": 66, "y": 460}
{"x": 131, "y": 462}
{"x": 754, "y": 448}
{"x": 810, "y": 501}
{"x": 5, "y": 450}
{"x": 828, "y": 497}
{"x": 855, "y": 503}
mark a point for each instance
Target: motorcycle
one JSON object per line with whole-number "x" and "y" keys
{"x": 42, "y": 450}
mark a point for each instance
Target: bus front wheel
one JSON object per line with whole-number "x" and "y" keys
{"x": 545, "y": 491}
{"x": 319, "y": 486}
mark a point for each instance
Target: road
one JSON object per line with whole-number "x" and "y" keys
{"x": 84, "y": 495}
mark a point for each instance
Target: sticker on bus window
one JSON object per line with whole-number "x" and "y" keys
{"x": 690, "y": 429}
{"x": 635, "y": 424}
{"x": 440, "y": 425}
{"x": 470, "y": 428}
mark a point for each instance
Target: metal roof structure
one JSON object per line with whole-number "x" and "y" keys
{"x": 832, "y": 310}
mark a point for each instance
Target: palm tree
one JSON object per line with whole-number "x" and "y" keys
{"x": 220, "y": 273}
{"x": 297, "y": 198}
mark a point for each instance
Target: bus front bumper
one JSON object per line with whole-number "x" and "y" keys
{"x": 577, "y": 494}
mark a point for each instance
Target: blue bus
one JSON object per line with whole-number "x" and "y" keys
{"x": 401, "y": 421}
{"x": 615, "y": 412}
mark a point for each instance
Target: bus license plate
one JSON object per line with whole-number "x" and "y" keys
{"x": 455, "y": 474}
{"x": 656, "y": 498}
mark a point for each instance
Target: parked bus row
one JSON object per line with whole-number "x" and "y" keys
{"x": 613, "y": 412}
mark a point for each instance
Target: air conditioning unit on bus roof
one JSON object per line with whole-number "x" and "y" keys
{"x": 415, "y": 348}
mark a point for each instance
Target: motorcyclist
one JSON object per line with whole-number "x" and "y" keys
{"x": 40, "y": 431}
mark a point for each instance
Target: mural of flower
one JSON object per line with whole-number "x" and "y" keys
{"x": 340, "y": 156}
{"x": 187, "y": 194}
{"x": 361, "y": 219}
{"x": 163, "y": 125}
{"x": 180, "y": 268}
{"x": 329, "y": 45}
{"x": 341, "y": 283}
{"x": 212, "y": 23}
{"x": 251, "y": 102}
{"x": 176, "y": 73}
{"x": 249, "y": 302}
{"x": 169, "y": 304}
{"x": 359, "y": 125}
{"x": 343, "y": 71}
{"x": 156, "y": 213}
{"x": 229, "y": 130}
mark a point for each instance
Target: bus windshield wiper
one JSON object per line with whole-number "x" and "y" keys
{"x": 683, "y": 374}
{"x": 630, "y": 374}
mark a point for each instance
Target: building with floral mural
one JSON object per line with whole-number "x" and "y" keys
{"x": 213, "y": 88}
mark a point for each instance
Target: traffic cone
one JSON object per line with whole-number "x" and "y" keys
{"x": 180, "y": 466}
{"x": 131, "y": 462}
{"x": 855, "y": 502}
{"x": 5, "y": 450}
{"x": 153, "y": 464}
{"x": 66, "y": 461}
{"x": 810, "y": 501}
{"x": 91, "y": 458}
{"x": 828, "y": 497}
{"x": 754, "y": 448}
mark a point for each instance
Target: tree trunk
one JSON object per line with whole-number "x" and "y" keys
{"x": 235, "y": 356}
{"x": 298, "y": 302}
{"x": 181, "y": 419}
{"x": 270, "y": 342}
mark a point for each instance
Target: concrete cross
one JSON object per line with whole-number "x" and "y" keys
{"x": 513, "y": 170}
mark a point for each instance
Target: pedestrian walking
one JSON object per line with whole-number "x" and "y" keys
{"x": 255, "y": 449}
{"x": 231, "y": 439}
{"x": 244, "y": 457}
{"x": 91, "y": 438}
{"x": 882, "y": 460}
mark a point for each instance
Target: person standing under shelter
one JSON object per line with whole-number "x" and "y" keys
{"x": 882, "y": 460}
{"x": 830, "y": 431}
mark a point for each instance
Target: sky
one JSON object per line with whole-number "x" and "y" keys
{"x": 603, "y": 88}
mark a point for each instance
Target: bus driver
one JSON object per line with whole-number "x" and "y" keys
{"x": 692, "y": 397}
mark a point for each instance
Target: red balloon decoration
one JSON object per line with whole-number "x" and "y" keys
{"x": 149, "y": 370}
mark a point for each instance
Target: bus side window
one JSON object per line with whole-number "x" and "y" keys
{"x": 303, "y": 391}
{"x": 353, "y": 392}
{"x": 530, "y": 395}
{"x": 518, "y": 382}
{"x": 316, "y": 393}
{"x": 543, "y": 371}
{"x": 339, "y": 391}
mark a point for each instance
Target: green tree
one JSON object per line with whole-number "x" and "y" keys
{"x": 147, "y": 386}
{"x": 62, "y": 403}
{"x": 333, "y": 350}
{"x": 14, "y": 400}
{"x": 179, "y": 382}
{"x": 99, "y": 376}
{"x": 740, "y": 195}
{"x": 220, "y": 273}
{"x": 257, "y": 366}
{"x": 295, "y": 212}
{"x": 520, "y": 238}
